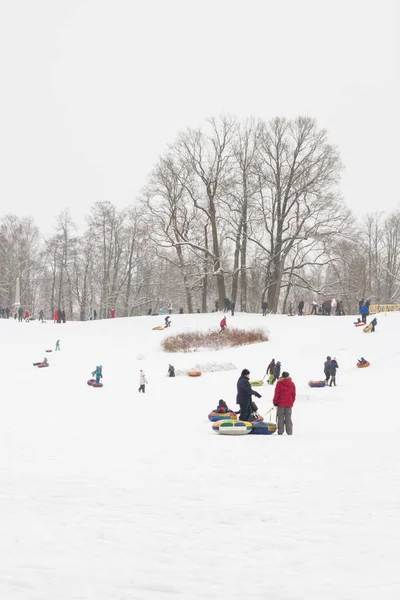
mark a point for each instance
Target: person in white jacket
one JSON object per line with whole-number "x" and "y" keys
{"x": 142, "y": 381}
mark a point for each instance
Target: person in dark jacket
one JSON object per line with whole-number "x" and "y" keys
{"x": 301, "y": 307}
{"x": 277, "y": 370}
{"x": 222, "y": 408}
{"x": 232, "y": 308}
{"x": 244, "y": 394}
{"x": 264, "y": 307}
{"x": 171, "y": 370}
{"x": 360, "y": 304}
{"x": 167, "y": 320}
{"x": 374, "y": 323}
{"x": 271, "y": 367}
{"x": 284, "y": 397}
{"x": 332, "y": 371}
{"x": 327, "y": 368}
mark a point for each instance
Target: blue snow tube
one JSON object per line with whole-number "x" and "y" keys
{"x": 263, "y": 428}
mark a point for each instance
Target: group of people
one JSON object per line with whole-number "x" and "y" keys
{"x": 283, "y": 400}
{"x": 330, "y": 368}
{"x": 59, "y": 316}
{"x": 326, "y": 308}
{"x": 274, "y": 371}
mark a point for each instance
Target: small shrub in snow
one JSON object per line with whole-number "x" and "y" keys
{"x": 193, "y": 341}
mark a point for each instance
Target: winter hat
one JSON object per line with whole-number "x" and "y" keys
{"x": 245, "y": 372}
{"x": 285, "y": 374}
{"x": 328, "y": 358}
{"x": 221, "y": 403}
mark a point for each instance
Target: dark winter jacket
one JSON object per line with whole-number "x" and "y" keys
{"x": 301, "y": 304}
{"x": 277, "y": 370}
{"x": 244, "y": 391}
{"x": 327, "y": 367}
{"x": 264, "y": 305}
{"x": 171, "y": 371}
{"x": 285, "y": 393}
{"x": 374, "y": 322}
{"x": 271, "y": 368}
{"x": 333, "y": 368}
{"x": 364, "y": 310}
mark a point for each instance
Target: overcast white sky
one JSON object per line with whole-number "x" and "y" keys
{"x": 92, "y": 91}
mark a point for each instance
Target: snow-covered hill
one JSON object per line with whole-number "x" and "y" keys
{"x": 108, "y": 494}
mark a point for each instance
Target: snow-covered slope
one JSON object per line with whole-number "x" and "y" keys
{"x": 108, "y": 494}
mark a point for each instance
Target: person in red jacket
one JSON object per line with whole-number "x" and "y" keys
{"x": 223, "y": 324}
{"x": 285, "y": 395}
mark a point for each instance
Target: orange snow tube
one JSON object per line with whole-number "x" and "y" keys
{"x": 363, "y": 365}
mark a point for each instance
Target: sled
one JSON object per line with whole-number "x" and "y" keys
{"x": 158, "y": 328}
{"x": 233, "y": 427}
{"x": 214, "y": 416}
{"x": 93, "y": 383}
{"x": 49, "y": 350}
{"x": 256, "y": 383}
{"x": 43, "y": 365}
{"x": 368, "y": 328}
{"x": 363, "y": 365}
{"x": 263, "y": 428}
{"x": 359, "y": 324}
{"x": 194, "y": 373}
{"x": 320, "y": 383}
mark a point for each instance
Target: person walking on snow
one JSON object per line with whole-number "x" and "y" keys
{"x": 301, "y": 307}
{"x": 167, "y": 320}
{"x": 271, "y": 367}
{"x": 277, "y": 371}
{"x": 264, "y": 307}
{"x": 142, "y": 381}
{"x": 374, "y": 323}
{"x": 284, "y": 398}
{"x": 244, "y": 394}
{"x": 223, "y": 324}
{"x": 232, "y": 309}
{"x": 364, "y": 313}
{"x": 314, "y": 305}
{"x": 58, "y": 345}
{"x": 327, "y": 369}
{"x": 98, "y": 373}
{"x": 332, "y": 371}
{"x": 171, "y": 370}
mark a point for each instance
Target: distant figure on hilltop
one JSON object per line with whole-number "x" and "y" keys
{"x": 171, "y": 370}
{"x": 113, "y": 313}
{"x": 167, "y": 321}
{"x": 301, "y": 308}
{"x": 264, "y": 306}
{"x": 314, "y": 305}
{"x": 142, "y": 381}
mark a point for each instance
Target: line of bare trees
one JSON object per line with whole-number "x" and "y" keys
{"x": 242, "y": 209}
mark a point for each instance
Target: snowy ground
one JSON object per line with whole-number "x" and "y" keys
{"x": 106, "y": 494}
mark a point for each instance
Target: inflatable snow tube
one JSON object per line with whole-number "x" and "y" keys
{"x": 363, "y": 365}
{"x": 233, "y": 427}
{"x": 263, "y": 428}
{"x": 320, "y": 383}
{"x": 215, "y": 416}
{"x": 256, "y": 383}
{"x": 367, "y": 329}
{"x": 93, "y": 383}
{"x": 194, "y": 373}
{"x": 158, "y": 328}
{"x": 43, "y": 365}
{"x": 359, "y": 324}
{"x": 49, "y": 350}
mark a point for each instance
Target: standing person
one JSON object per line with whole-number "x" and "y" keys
{"x": 333, "y": 306}
{"x": 232, "y": 308}
{"x": 142, "y": 381}
{"x": 26, "y": 315}
{"x": 374, "y": 323}
{"x": 63, "y": 317}
{"x": 367, "y": 303}
{"x": 332, "y": 371}
{"x": 171, "y": 370}
{"x": 271, "y": 367}
{"x": 59, "y": 315}
{"x": 169, "y": 307}
{"x": 264, "y": 307}
{"x": 20, "y": 313}
{"x": 277, "y": 370}
{"x": 94, "y": 315}
{"x": 364, "y": 313}
{"x": 290, "y": 309}
{"x": 7, "y": 313}
{"x": 58, "y": 345}
{"x": 284, "y": 398}
{"x": 244, "y": 394}
{"x": 301, "y": 307}
{"x": 327, "y": 369}
{"x": 314, "y": 305}
{"x": 98, "y": 373}
{"x": 167, "y": 320}
{"x": 227, "y": 305}
{"x": 223, "y": 324}
{"x": 360, "y": 304}
{"x": 41, "y": 315}
{"x": 55, "y": 316}
{"x": 340, "y": 308}
{"x": 217, "y": 305}
{"x": 113, "y": 313}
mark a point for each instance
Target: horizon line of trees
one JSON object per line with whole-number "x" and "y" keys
{"x": 247, "y": 210}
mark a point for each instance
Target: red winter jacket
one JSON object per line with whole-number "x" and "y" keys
{"x": 285, "y": 393}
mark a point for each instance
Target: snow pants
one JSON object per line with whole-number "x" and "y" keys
{"x": 142, "y": 388}
{"x": 245, "y": 410}
{"x": 284, "y": 420}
